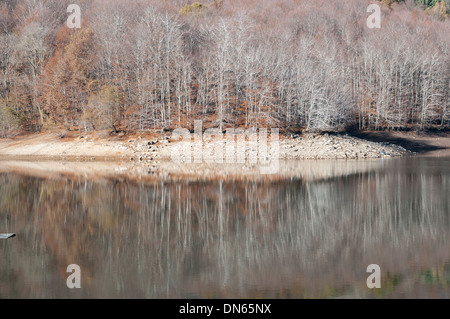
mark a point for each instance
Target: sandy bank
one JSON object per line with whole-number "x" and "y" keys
{"x": 96, "y": 146}
{"x": 148, "y": 156}
{"x": 52, "y": 145}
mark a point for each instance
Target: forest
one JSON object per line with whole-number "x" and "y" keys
{"x": 298, "y": 65}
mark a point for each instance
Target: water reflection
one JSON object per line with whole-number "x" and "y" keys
{"x": 291, "y": 238}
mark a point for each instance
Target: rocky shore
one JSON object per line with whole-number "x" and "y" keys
{"x": 149, "y": 156}
{"x": 157, "y": 147}
{"x": 307, "y": 146}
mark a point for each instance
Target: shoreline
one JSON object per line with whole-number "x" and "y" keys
{"x": 100, "y": 145}
{"x": 148, "y": 156}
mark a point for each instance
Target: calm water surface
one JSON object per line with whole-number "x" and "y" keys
{"x": 294, "y": 238}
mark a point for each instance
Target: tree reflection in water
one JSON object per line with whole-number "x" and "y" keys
{"x": 240, "y": 239}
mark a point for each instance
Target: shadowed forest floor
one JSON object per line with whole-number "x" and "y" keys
{"x": 422, "y": 143}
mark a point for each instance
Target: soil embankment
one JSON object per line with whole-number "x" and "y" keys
{"x": 150, "y": 155}
{"x": 96, "y": 146}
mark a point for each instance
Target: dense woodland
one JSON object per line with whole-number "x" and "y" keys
{"x": 294, "y": 64}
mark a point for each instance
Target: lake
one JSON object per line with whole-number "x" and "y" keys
{"x": 303, "y": 236}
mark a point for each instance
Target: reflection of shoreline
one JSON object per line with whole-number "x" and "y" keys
{"x": 306, "y": 170}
